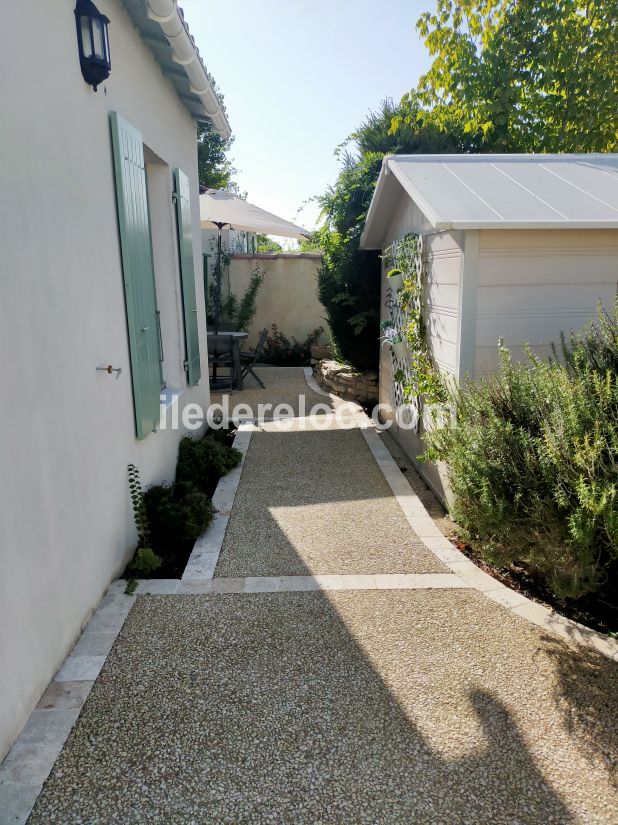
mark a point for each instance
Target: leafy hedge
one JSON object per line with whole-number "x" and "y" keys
{"x": 532, "y": 456}
{"x": 178, "y": 514}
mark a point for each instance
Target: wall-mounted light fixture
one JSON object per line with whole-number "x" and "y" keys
{"x": 93, "y": 42}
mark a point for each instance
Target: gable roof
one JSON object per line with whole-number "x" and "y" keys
{"x": 498, "y": 192}
{"x": 163, "y": 29}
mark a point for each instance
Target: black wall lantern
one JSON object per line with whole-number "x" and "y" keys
{"x": 93, "y": 42}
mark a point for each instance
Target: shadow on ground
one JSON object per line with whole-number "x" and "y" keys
{"x": 407, "y": 706}
{"x": 298, "y": 708}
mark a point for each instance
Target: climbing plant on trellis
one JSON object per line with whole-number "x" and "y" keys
{"x": 415, "y": 377}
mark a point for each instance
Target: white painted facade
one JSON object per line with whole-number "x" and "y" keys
{"x": 68, "y": 431}
{"x": 524, "y": 285}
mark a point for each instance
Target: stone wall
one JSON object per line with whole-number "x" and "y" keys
{"x": 344, "y": 380}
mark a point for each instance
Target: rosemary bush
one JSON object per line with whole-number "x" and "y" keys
{"x": 532, "y": 456}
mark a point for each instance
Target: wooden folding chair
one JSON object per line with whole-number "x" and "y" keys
{"x": 250, "y": 358}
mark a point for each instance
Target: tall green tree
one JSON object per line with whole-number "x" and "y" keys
{"x": 349, "y": 281}
{"x": 521, "y": 75}
{"x": 215, "y": 169}
{"x": 266, "y": 244}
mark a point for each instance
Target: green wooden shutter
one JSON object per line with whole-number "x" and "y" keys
{"x": 138, "y": 273}
{"x": 187, "y": 274}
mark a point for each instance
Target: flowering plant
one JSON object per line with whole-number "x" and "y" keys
{"x": 391, "y": 336}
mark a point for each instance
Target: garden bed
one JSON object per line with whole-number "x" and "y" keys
{"x": 171, "y": 517}
{"x": 594, "y": 610}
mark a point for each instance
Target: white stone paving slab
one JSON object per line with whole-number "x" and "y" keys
{"x": 17, "y": 800}
{"x": 80, "y": 668}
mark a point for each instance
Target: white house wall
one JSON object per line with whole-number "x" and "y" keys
{"x": 532, "y": 284}
{"x": 68, "y": 431}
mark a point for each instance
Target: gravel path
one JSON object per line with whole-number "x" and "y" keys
{"x": 284, "y": 385}
{"x": 315, "y": 502}
{"x": 368, "y": 707}
{"x": 357, "y": 707}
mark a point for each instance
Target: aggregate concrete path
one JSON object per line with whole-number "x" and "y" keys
{"x": 411, "y": 706}
{"x": 284, "y": 385}
{"x": 364, "y": 707}
{"x": 314, "y": 502}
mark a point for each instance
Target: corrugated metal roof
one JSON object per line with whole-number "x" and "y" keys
{"x": 504, "y": 191}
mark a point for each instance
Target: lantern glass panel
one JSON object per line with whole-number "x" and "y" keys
{"x": 84, "y": 25}
{"x": 97, "y": 38}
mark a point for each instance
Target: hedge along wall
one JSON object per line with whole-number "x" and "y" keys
{"x": 288, "y": 296}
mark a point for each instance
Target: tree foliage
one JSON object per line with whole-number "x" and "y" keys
{"x": 520, "y": 75}
{"x": 506, "y": 76}
{"x": 215, "y": 169}
{"x": 349, "y": 281}
{"x": 266, "y": 244}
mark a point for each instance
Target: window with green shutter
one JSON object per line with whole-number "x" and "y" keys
{"x": 187, "y": 275}
{"x": 138, "y": 273}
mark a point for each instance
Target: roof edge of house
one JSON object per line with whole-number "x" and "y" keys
{"x": 171, "y": 21}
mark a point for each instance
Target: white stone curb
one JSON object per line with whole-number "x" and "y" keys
{"x": 313, "y": 385}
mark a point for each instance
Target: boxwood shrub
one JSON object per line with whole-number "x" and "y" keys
{"x": 177, "y": 514}
{"x": 202, "y": 462}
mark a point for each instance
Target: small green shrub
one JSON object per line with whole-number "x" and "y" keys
{"x": 281, "y": 352}
{"x": 202, "y": 462}
{"x": 178, "y": 514}
{"x": 532, "y": 457}
{"x": 144, "y": 562}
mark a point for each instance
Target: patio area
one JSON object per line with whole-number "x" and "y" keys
{"x": 337, "y": 662}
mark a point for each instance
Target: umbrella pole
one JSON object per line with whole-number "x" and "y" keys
{"x": 218, "y": 287}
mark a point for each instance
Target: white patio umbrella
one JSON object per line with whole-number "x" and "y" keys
{"x": 219, "y": 208}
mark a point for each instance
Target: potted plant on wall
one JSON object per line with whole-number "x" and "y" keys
{"x": 395, "y": 279}
{"x": 393, "y": 337}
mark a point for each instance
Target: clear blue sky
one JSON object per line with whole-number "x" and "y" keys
{"x": 297, "y": 78}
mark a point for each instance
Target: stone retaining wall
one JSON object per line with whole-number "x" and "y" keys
{"x": 345, "y": 381}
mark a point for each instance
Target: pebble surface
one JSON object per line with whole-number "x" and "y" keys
{"x": 283, "y": 386}
{"x": 365, "y": 707}
{"x": 315, "y": 502}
